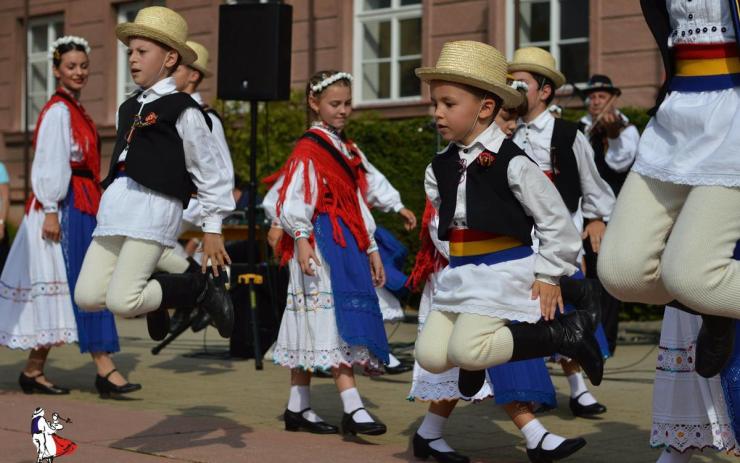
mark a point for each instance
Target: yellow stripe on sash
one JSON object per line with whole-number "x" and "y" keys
{"x": 708, "y": 67}
{"x": 476, "y": 248}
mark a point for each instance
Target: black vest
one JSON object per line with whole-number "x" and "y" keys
{"x": 490, "y": 204}
{"x": 564, "y": 164}
{"x": 155, "y": 158}
{"x": 612, "y": 177}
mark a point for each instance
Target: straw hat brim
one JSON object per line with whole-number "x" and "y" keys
{"x": 127, "y": 30}
{"x": 510, "y": 96}
{"x": 556, "y": 77}
{"x": 205, "y": 72}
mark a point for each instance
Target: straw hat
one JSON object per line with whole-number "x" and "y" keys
{"x": 161, "y": 25}
{"x": 475, "y": 64}
{"x": 201, "y": 62}
{"x": 537, "y": 61}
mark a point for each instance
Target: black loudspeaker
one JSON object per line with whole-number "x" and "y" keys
{"x": 254, "y": 51}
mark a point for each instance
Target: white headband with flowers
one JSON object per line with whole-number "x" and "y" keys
{"x": 66, "y": 40}
{"x": 519, "y": 85}
{"x": 319, "y": 87}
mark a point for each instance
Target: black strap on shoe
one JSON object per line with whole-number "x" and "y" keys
{"x": 110, "y": 373}
{"x": 542, "y": 441}
{"x": 352, "y": 414}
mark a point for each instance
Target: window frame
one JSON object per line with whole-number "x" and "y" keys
{"x": 395, "y": 13}
{"x": 39, "y": 57}
{"x": 555, "y": 41}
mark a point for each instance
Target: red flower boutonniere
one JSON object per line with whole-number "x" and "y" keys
{"x": 150, "y": 119}
{"x": 486, "y": 159}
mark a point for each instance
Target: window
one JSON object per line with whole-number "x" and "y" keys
{"x": 559, "y": 26}
{"x": 387, "y": 49}
{"x": 127, "y": 13}
{"x": 41, "y": 81}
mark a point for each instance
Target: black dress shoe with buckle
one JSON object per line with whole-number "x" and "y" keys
{"x": 106, "y": 388}
{"x": 350, "y": 426}
{"x": 585, "y": 410}
{"x": 29, "y": 385}
{"x": 714, "y": 345}
{"x": 422, "y": 451}
{"x": 295, "y": 421}
{"x": 469, "y": 382}
{"x": 567, "y": 448}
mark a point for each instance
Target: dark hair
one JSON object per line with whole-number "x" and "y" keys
{"x": 541, "y": 82}
{"x": 482, "y": 94}
{"x": 64, "y": 48}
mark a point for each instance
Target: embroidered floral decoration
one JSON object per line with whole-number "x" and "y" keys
{"x": 486, "y": 159}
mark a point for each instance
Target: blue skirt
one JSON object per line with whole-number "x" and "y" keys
{"x": 523, "y": 381}
{"x": 393, "y": 254}
{"x": 96, "y": 330}
{"x": 730, "y": 375}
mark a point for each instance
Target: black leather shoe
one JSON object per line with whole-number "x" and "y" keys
{"x": 158, "y": 324}
{"x": 294, "y": 421}
{"x": 106, "y": 388}
{"x": 200, "y": 321}
{"x": 398, "y": 369}
{"x": 350, "y": 426}
{"x": 584, "y": 294}
{"x": 180, "y": 318}
{"x": 215, "y": 300}
{"x": 469, "y": 382}
{"x": 578, "y": 343}
{"x": 567, "y": 448}
{"x": 422, "y": 451}
{"x": 585, "y": 410}
{"x": 29, "y": 385}
{"x": 714, "y": 345}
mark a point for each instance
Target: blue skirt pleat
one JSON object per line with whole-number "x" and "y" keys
{"x": 356, "y": 307}
{"x": 96, "y": 330}
{"x": 393, "y": 254}
{"x": 730, "y": 375}
{"x": 523, "y": 381}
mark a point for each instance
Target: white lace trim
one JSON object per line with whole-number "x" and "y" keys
{"x": 426, "y": 391}
{"x": 730, "y": 180}
{"x": 37, "y": 289}
{"x": 41, "y": 339}
{"x": 693, "y": 436}
{"x": 311, "y": 302}
{"x": 392, "y": 314}
{"x": 325, "y": 359}
{"x": 136, "y": 234}
{"x": 491, "y": 312}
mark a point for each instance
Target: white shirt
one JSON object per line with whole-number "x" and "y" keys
{"x": 130, "y": 209}
{"x": 296, "y": 215}
{"x": 700, "y": 21}
{"x": 55, "y": 148}
{"x": 535, "y": 139}
{"x": 621, "y": 151}
{"x": 559, "y": 240}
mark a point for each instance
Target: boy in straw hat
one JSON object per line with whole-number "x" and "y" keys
{"x": 566, "y": 156}
{"x": 489, "y": 196}
{"x": 164, "y": 153}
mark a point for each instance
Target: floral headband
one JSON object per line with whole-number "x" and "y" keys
{"x": 319, "y": 87}
{"x": 66, "y": 40}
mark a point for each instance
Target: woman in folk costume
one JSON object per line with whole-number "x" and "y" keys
{"x": 36, "y": 306}
{"x": 332, "y": 319}
{"x": 684, "y": 187}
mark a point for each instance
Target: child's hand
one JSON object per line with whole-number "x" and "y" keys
{"x": 273, "y": 238}
{"x": 214, "y": 250}
{"x": 594, "y": 231}
{"x": 51, "y": 230}
{"x": 550, "y": 298}
{"x": 376, "y": 269}
{"x": 306, "y": 254}
{"x": 409, "y": 218}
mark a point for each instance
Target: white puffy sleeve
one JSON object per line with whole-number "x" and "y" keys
{"x": 205, "y": 161}
{"x": 598, "y": 197}
{"x": 380, "y": 192}
{"x": 622, "y": 150}
{"x": 50, "y": 171}
{"x": 430, "y": 187}
{"x": 369, "y": 220}
{"x": 269, "y": 203}
{"x": 559, "y": 240}
{"x": 295, "y": 215}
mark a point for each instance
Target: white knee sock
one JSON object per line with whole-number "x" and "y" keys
{"x": 431, "y": 428}
{"x": 393, "y": 362}
{"x": 299, "y": 400}
{"x": 533, "y": 432}
{"x": 351, "y": 401}
{"x": 578, "y": 387}
{"x": 674, "y": 456}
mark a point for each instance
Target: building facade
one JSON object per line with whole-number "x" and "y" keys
{"x": 379, "y": 41}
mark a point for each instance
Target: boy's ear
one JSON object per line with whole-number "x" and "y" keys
{"x": 488, "y": 107}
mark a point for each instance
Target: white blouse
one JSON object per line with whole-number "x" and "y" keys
{"x": 130, "y": 209}
{"x": 621, "y": 151}
{"x": 700, "y": 21}
{"x": 55, "y": 148}
{"x": 296, "y": 215}
{"x": 535, "y": 139}
{"x": 559, "y": 241}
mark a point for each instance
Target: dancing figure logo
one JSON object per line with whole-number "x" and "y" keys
{"x": 48, "y": 443}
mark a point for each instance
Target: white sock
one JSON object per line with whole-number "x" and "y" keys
{"x": 299, "y": 400}
{"x": 578, "y": 387}
{"x": 431, "y": 428}
{"x": 393, "y": 361}
{"x": 533, "y": 432}
{"x": 674, "y": 456}
{"x": 351, "y": 401}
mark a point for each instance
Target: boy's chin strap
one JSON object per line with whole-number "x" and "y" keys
{"x": 159, "y": 74}
{"x": 475, "y": 119}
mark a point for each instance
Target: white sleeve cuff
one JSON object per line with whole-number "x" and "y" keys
{"x": 373, "y": 246}
{"x": 397, "y": 208}
{"x": 550, "y": 280}
{"x": 276, "y": 223}
{"x": 51, "y": 208}
{"x": 212, "y": 225}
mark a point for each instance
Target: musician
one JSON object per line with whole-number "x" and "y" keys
{"x": 614, "y": 141}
